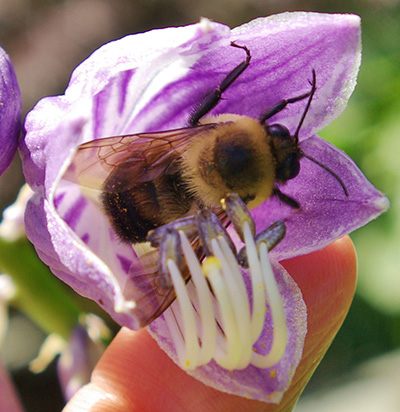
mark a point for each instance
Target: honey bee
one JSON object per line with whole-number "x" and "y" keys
{"x": 147, "y": 180}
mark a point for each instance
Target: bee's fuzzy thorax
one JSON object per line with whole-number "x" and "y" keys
{"x": 234, "y": 157}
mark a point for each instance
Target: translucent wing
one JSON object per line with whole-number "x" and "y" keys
{"x": 145, "y": 289}
{"x": 139, "y": 157}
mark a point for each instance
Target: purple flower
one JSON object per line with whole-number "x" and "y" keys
{"x": 10, "y": 111}
{"x": 151, "y": 82}
{"x": 80, "y": 354}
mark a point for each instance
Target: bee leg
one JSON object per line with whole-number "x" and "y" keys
{"x": 238, "y": 213}
{"x": 272, "y": 236}
{"x": 286, "y": 199}
{"x": 280, "y": 106}
{"x": 240, "y": 216}
{"x": 188, "y": 224}
{"x": 283, "y": 103}
{"x": 170, "y": 248}
{"x": 213, "y": 97}
{"x": 210, "y": 227}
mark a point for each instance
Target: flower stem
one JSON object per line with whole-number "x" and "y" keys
{"x": 39, "y": 294}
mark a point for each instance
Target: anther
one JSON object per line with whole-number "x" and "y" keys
{"x": 214, "y": 317}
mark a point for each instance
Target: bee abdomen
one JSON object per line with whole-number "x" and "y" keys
{"x": 145, "y": 206}
{"x": 132, "y": 213}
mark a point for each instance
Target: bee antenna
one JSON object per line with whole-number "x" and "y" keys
{"x": 313, "y": 88}
{"x": 331, "y": 172}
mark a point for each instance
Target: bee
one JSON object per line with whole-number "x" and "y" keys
{"x": 147, "y": 180}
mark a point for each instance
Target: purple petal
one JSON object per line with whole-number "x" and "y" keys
{"x": 267, "y": 384}
{"x": 326, "y": 212}
{"x": 285, "y": 49}
{"x": 77, "y": 361}
{"x": 10, "y": 111}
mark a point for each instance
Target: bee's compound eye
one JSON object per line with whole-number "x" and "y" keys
{"x": 289, "y": 168}
{"x": 278, "y": 131}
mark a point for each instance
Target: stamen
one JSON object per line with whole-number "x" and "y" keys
{"x": 239, "y": 300}
{"x": 229, "y": 356}
{"x": 207, "y": 318}
{"x": 279, "y": 341}
{"x": 259, "y": 308}
{"x": 213, "y": 318}
{"x": 189, "y": 360}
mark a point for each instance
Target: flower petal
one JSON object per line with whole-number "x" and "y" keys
{"x": 285, "y": 48}
{"x": 262, "y": 384}
{"x": 326, "y": 212}
{"x": 9, "y": 399}
{"x": 10, "y": 111}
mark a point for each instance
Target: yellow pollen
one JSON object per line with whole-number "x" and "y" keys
{"x": 211, "y": 263}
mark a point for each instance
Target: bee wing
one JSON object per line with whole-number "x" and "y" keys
{"x": 132, "y": 158}
{"x": 145, "y": 289}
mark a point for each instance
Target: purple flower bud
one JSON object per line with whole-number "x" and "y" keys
{"x": 10, "y": 112}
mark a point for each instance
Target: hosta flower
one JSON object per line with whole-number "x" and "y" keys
{"x": 10, "y": 111}
{"x": 152, "y": 82}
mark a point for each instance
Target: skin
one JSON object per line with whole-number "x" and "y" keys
{"x": 135, "y": 375}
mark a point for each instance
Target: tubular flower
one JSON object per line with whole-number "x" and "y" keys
{"x": 10, "y": 111}
{"x": 219, "y": 327}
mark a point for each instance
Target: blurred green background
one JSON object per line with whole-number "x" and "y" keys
{"x": 47, "y": 39}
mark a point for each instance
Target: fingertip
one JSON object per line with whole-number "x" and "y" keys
{"x": 327, "y": 279}
{"x": 330, "y": 271}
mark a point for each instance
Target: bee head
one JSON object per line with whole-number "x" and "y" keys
{"x": 286, "y": 152}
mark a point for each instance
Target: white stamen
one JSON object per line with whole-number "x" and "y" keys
{"x": 207, "y": 317}
{"x": 213, "y": 320}
{"x": 278, "y": 315}
{"x": 190, "y": 360}
{"x": 239, "y": 299}
{"x": 229, "y": 357}
{"x": 259, "y": 309}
